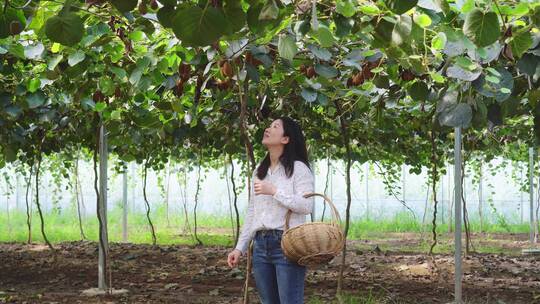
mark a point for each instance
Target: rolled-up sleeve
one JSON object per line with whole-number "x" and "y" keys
{"x": 303, "y": 181}
{"x": 246, "y": 232}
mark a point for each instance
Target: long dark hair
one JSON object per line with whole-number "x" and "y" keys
{"x": 294, "y": 150}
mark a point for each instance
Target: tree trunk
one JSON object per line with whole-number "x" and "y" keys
{"x": 199, "y": 242}
{"x": 37, "y": 199}
{"x": 465, "y": 213}
{"x": 186, "y": 230}
{"x": 434, "y": 178}
{"x": 235, "y": 201}
{"x": 103, "y": 250}
{"x": 326, "y": 184}
{"x": 7, "y": 212}
{"x": 452, "y": 198}
{"x": 233, "y": 228}
{"x": 125, "y": 205}
{"x": 167, "y": 188}
{"x": 28, "y": 205}
{"x": 243, "y": 124}
{"x": 76, "y": 188}
{"x": 480, "y": 198}
{"x": 154, "y": 240}
{"x": 17, "y": 193}
{"x": 346, "y": 142}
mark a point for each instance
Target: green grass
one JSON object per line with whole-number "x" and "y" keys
{"x": 64, "y": 226}
{"x": 404, "y": 222}
{"x": 212, "y": 230}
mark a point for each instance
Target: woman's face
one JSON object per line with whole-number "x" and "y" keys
{"x": 273, "y": 135}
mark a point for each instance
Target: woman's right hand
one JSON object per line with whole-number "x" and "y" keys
{"x": 234, "y": 258}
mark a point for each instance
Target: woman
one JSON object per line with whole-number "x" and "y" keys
{"x": 279, "y": 183}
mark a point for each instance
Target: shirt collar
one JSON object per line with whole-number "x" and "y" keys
{"x": 277, "y": 169}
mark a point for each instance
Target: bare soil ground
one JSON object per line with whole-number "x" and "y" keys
{"x": 186, "y": 274}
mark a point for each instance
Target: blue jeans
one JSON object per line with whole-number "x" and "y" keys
{"x": 278, "y": 280}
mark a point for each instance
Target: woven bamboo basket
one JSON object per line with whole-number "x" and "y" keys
{"x": 314, "y": 243}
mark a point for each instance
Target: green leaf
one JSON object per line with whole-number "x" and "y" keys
{"x": 458, "y": 72}
{"x": 369, "y": 9}
{"x": 528, "y": 63}
{"x": 383, "y": 33}
{"x": 287, "y": 47}
{"x": 55, "y": 48}
{"x": 35, "y": 100}
{"x": 54, "y": 61}
{"x": 422, "y": 20}
{"x": 10, "y": 15}
{"x": 346, "y": 8}
{"x": 260, "y": 27}
{"x": 13, "y": 111}
{"x": 309, "y": 94}
{"x": 418, "y": 91}
{"x": 9, "y": 154}
{"x": 495, "y": 114}
{"x": 119, "y": 73}
{"x": 520, "y": 10}
{"x": 321, "y": 53}
{"x": 124, "y": 6}
{"x": 400, "y": 6}
{"x": 76, "y": 57}
{"x": 67, "y": 28}
{"x": 235, "y": 15}
{"x": 467, "y": 7}
{"x": 198, "y": 27}
{"x": 443, "y": 4}
{"x": 136, "y": 36}
{"x": 520, "y": 43}
{"x": 34, "y": 51}
{"x": 438, "y": 78}
{"x": 270, "y": 11}
{"x": 322, "y": 99}
{"x": 41, "y": 15}
{"x": 106, "y": 85}
{"x": 33, "y": 85}
{"x": 100, "y": 106}
{"x": 466, "y": 63}
{"x": 17, "y": 50}
{"x": 402, "y": 30}
{"x": 482, "y": 28}
{"x": 326, "y": 71}
{"x": 439, "y": 41}
{"x": 116, "y": 115}
{"x": 500, "y": 91}
{"x": 324, "y": 36}
{"x": 535, "y": 16}
{"x": 252, "y": 73}
{"x": 456, "y": 115}
{"x": 493, "y": 79}
{"x": 135, "y": 76}
{"x": 480, "y": 115}
{"x": 343, "y": 25}
{"x": 165, "y": 16}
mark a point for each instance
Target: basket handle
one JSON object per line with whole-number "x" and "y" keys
{"x": 336, "y": 219}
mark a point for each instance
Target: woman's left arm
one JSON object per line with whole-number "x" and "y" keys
{"x": 303, "y": 180}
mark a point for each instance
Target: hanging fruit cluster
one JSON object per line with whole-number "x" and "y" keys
{"x": 364, "y": 74}
{"x": 184, "y": 71}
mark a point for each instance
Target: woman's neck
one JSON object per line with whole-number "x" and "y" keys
{"x": 275, "y": 153}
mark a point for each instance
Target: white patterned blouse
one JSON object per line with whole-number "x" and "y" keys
{"x": 266, "y": 212}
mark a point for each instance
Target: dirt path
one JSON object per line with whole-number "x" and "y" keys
{"x": 183, "y": 274}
